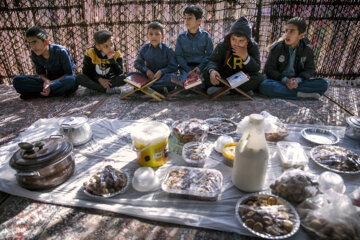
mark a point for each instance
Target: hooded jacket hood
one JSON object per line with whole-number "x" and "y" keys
{"x": 241, "y": 26}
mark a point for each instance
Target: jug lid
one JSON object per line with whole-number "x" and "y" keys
{"x": 256, "y": 118}
{"x": 74, "y": 122}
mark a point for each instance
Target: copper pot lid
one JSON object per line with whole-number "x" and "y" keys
{"x": 354, "y": 121}
{"x": 40, "y": 154}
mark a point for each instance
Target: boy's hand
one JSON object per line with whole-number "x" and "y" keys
{"x": 150, "y": 74}
{"x": 46, "y": 88}
{"x": 105, "y": 83}
{"x": 291, "y": 83}
{"x": 240, "y": 52}
{"x": 214, "y": 75}
{"x": 196, "y": 70}
{"x": 110, "y": 55}
{"x": 158, "y": 75}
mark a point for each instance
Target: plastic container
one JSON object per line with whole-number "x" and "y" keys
{"x": 251, "y": 157}
{"x": 193, "y": 183}
{"x": 150, "y": 141}
{"x": 331, "y": 181}
{"x": 222, "y": 141}
{"x": 195, "y": 154}
{"x": 190, "y": 130}
{"x": 229, "y": 153}
{"x": 292, "y": 155}
{"x": 145, "y": 180}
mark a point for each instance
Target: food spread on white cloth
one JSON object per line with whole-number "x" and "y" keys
{"x": 111, "y": 144}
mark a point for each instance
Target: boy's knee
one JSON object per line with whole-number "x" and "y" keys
{"x": 266, "y": 87}
{"x": 18, "y": 81}
{"x": 69, "y": 80}
{"x": 324, "y": 83}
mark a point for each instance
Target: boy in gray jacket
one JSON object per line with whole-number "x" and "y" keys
{"x": 237, "y": 52}
{"x": 290, "y": 65}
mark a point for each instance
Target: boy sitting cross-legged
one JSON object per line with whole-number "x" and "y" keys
{"x": 103, "y": 66}
{"x": 237, "y": 52}
{"x": 53, "y": 64}
{"x": 194, "y": 46}
{"x": 156, "y": 60}
{"x": 290, "y": 65}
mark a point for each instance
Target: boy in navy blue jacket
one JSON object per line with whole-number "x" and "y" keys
{"x": 194, "y": 46}
{"x": 156, "y": 60}
{"x": 290, "y": 66}
{"x": 53, "y": 64}
{"x": 238, "y": 52}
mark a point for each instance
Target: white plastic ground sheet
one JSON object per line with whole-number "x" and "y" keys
{"x": 111, "y": 144}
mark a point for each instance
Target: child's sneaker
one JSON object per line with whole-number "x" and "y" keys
{"x": 89, "y": 91}
{"x": 212, "y": 90}
{"x": 113, "y": 90}
{"x": 125, "y": 89}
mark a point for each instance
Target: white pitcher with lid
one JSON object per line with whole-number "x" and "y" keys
{"x": 251, "y": 157}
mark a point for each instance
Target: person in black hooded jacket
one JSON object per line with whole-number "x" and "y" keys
{"x": 290, "y": 66}
{"x": 237, "y": 52}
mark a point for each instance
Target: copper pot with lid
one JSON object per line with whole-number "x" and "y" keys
{"x": 43, "y": 164}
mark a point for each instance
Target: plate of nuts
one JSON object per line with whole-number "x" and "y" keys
{"x": 195, "y": 153}
{"x": 267, "y": 216}
{"x": 107, "y": 183}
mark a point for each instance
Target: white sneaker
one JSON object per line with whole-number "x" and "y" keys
{"x": 125, "y": 89}
{"x": 308, "y": 95}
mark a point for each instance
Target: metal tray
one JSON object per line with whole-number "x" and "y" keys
{"x": 216, "y": 122}
{"x": 280, "y": 201}
{"x": 326, "y": 150}
{"x": 319, "y": 136}
{"x": 110, "y": 195}
{"x": 191, "y": 182}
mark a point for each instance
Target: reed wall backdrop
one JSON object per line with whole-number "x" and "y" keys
{"x": 333, "y": 27}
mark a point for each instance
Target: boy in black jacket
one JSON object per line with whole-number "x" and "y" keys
{"x": 103, "y": 66}
{"x": 290, "y": 65}
{"x": 237, "y": 52}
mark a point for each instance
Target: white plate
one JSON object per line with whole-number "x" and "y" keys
{"x": 110, "y": 195}
{"x": 281, "y": 202}
{"x": 337, "y": 153}
{"x": 319, "y": 136}
{"x": 217, "y": 123}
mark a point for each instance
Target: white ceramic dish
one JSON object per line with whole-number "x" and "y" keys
{"x": 319, "y": 136}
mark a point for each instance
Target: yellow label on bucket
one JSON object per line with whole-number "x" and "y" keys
{"x": 154, "y": 155}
